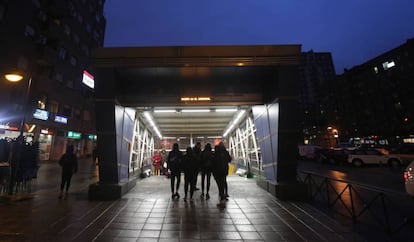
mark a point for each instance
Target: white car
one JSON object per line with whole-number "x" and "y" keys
{"x": 360, "y": 157}
{"x": 409, "y": 179}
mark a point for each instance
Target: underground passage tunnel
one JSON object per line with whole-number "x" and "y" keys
{"x": 184, "y": 91}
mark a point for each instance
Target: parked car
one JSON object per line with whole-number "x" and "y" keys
{"x": 409, "y": 179}
{"x": 333, "y": 155}
{"x": 367, "y": 156}
{"x": 404, "y": 151}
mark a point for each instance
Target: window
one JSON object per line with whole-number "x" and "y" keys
{"x": 86, "y": 115}
{"x": 29, "y": 31}
{"x": 77, "y": 114}
{"x": 80, "y": 18}
{"x": 387, "y": 65}
{"x": 95, "y": 36}
{"x": 66, "y": 29}
{"x": 67, "y": 110}
{"x": 85, "y": 49}
{"x": 54, "y": 107}
{"x": 41, "y": 39}
{"x": 41, "y": 103}
{"x": 76, "y": 38}
{"x": 88, "y": 28}
{"x": 73, "y": 61}
{"x": 57, "y": 21}
{"x": 72, "y": 10}
{"x": 69, "y": 83}
{"x": 42, "y": 16}
{"x": 59, "y": 77}
{"x": 62, "y": 53}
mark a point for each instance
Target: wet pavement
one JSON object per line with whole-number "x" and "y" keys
{"x": 147, "y": 213}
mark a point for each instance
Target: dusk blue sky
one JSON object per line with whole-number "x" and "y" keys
{"x": 354, "y": 31}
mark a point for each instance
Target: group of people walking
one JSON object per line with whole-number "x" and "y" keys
{"x": 192, "y": 162}
{"x": 195, "y": 161}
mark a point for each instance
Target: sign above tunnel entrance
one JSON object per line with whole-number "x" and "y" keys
{"x": 195, "y": 99}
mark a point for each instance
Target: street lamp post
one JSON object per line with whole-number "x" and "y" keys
{"x": 14, "y": 162}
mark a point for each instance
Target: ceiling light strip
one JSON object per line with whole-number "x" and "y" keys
{"x": 151, "y": 121}
{"x": 226, "y": 110}
{"x": 195, "y": 110}
{"x": 165, "y": 111}
{"x": 234, "y": 122}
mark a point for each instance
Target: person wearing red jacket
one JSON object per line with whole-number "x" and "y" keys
{"x": 156, "y": 163}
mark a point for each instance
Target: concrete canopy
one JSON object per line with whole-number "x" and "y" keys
{"x": 231, "y": 75}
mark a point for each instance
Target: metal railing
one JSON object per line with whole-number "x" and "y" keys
{"x": 367, "y": 206}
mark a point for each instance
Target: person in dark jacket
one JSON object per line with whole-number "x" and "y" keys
{"x": 174, "y": 165}
{"x": 190, "y": 168}
{"x": 220, "y": 169}
{"x": 197, "y": 154}
{"x": 69, "y": 164}
{"x": 207, "y": 156}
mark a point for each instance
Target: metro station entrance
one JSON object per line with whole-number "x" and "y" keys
{"x": 144, "y": 97}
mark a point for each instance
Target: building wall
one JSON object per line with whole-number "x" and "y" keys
{"x": 50, "y": 41}
{"x": 316, "y": 75}
{"x": 375, "y": 98}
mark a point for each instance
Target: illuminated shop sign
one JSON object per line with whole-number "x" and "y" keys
{"x": 92, "y": 136}
{"x": 88, "y": 79}
{"x": 41, "y": 114}
{"x": 46, "y": 131}
{"x": 61, "y": 119}
{"x": 74, "y": 135}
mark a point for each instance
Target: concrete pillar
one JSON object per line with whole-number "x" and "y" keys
{"x": 278, "y": 130}
{"x": 110, "y": 185}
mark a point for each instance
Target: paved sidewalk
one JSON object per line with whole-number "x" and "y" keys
{"x": 147, "y": 213}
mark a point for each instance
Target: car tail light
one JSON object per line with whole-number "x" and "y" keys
{"x": 405, "y": 175}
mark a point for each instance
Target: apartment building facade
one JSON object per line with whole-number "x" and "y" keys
{"x": 49, "y": 42}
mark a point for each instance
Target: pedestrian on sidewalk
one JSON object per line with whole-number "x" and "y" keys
{"x": 69, "y": 164}
{"x": 220, "y": 169}
{"x": 156, "y": 163}
{"x": 207, "y": 157}
{"x": 197, "y": 154}
{"x": 190, "y": 168}
{"x": 174, "y": 165}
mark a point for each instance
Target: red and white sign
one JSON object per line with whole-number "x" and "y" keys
{"x": 88, "y": 79}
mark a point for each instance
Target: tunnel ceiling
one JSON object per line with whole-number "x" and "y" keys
{"x": 185, "y": 124}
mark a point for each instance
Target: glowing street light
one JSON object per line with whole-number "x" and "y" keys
{"x": 13, "y": 77}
